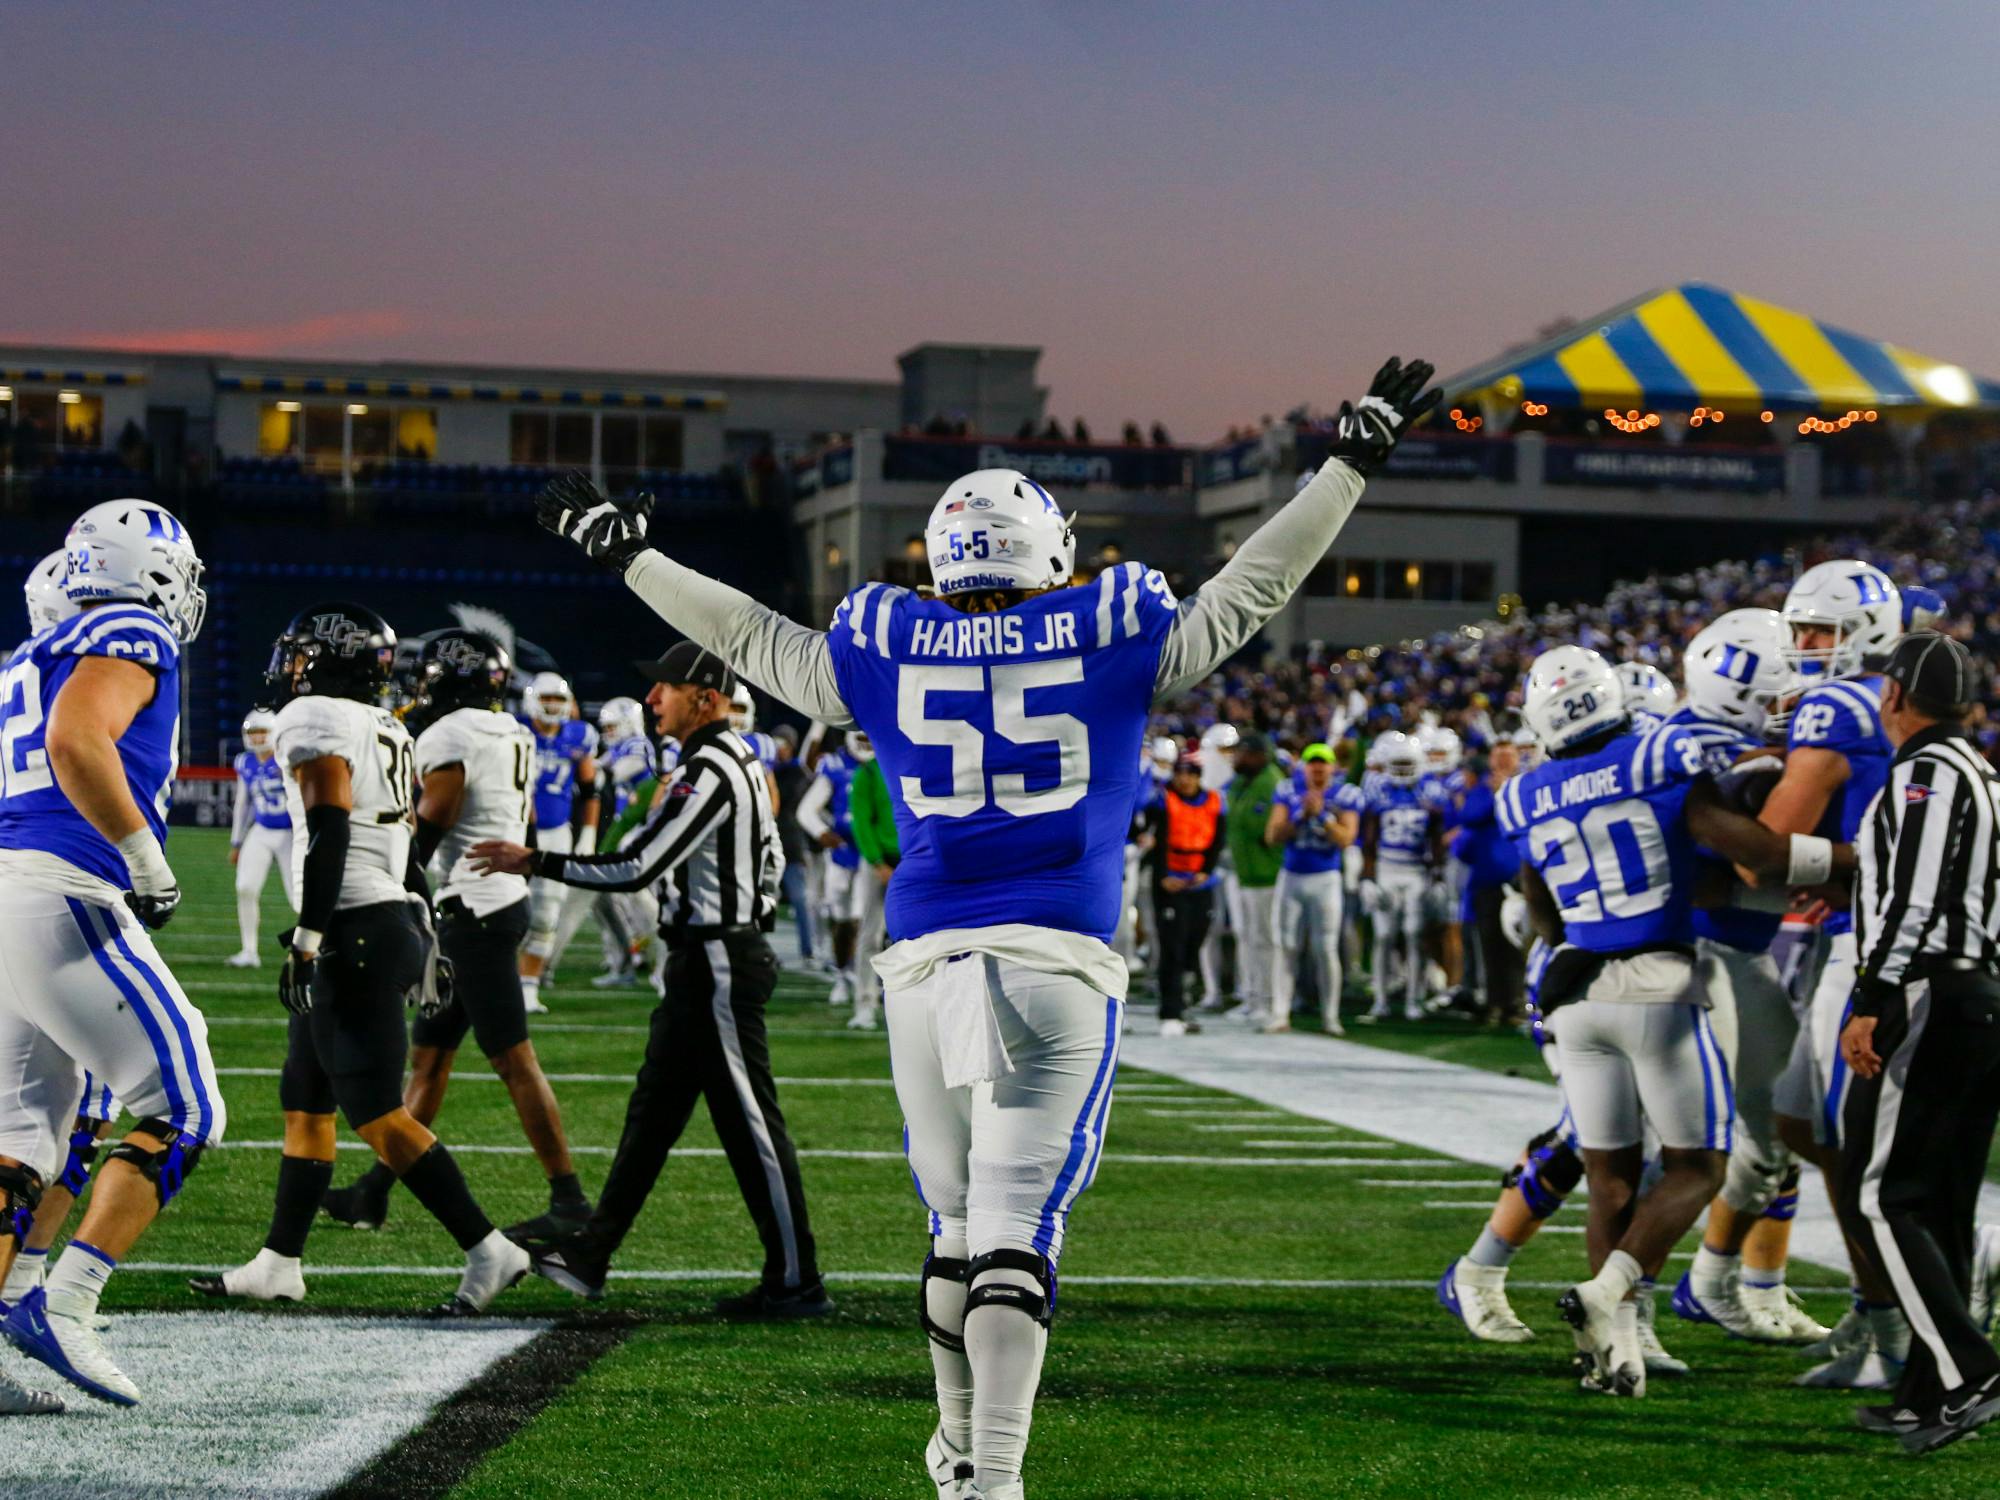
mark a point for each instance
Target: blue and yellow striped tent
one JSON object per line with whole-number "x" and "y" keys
{"x": 1698, "y": 345}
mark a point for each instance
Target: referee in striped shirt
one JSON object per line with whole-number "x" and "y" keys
{"x": 711, "y": 844}
{"x": 1924, "y": 1037}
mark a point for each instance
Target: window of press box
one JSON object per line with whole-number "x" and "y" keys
{"x": 528, "y": 438}
{"x": 371, "y": 431}
{"x": 417, "y": 432}
{"x": 324, "y": 431}
{"x": 278, "y": 428}
{"x": 35, "y": 415}
{"x": 1438, "y": 580}
{"x": 1475, "y": 582}
{"x": 1358, "y": 580}
{"x": 1402, "y": 579}
{"x": 550, "y": 438}
{"x": 82, "y": 419}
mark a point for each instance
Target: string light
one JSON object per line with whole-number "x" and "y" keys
{"x": 1766, "y": 416}
{"x": 1535, "y": 408}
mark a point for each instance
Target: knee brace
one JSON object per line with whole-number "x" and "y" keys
{"x": 75, "y": 1174}
{"x": 167, "y": 1168}
{"x": 1785, "y": 1206}
{"x": 942, "y": 1268}
{"x": 20, "y": 1192}
{"x": 1039, "y": 1305}
{"x": 1549, "y": 1175}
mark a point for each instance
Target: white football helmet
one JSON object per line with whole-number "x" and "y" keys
{"x": 48, "y": 605}
{"x": 1165, "y": 752}
{"x": 1738, "y": 671}
{"x": 998, "y": 529}
{"x": 132, "y": 550}
{"x": 1529, "y": 746}
{"x": 257, "y": 727}
{"x": 1402, "y": 757}
{"x": 621, "y": 719}
{"x": 742, "y": 710}
{"x": 1443, "y": 751}
{"x": 549, "y": 699}
{"x": 1572, "y": 694}
{"x": 1858, "y": 603}
{"x": 1648, "y": 690}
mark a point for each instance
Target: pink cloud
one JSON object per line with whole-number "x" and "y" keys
{"x": 299, "y": 335}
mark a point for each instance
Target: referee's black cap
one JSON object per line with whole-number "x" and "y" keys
{"x": 1935, "y": 670}
{"x": 688, "y": 663}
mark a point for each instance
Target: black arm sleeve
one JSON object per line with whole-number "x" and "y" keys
{"x": 413, "y": 874}
{"x": 429, "y": 836}
{"x": 326, "y": 864}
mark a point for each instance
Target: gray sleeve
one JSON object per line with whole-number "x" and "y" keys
{"x": 785, "y": 659}
{"x": 1256, "y": 583}
{"x": 239, "y": 827}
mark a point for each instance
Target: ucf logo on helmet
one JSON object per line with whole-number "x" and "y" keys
{"x": 346, "y": 635}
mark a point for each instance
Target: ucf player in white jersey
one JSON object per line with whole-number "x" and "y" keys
{"x": 361, "y": 949}
{"x": 476, "y": 762}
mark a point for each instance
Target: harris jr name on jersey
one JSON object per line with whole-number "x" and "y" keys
{"x": 989, "y": 635}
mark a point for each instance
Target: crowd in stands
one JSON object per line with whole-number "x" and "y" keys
{"x": 958, "y": 425}
{"x": 1470, "y": 679}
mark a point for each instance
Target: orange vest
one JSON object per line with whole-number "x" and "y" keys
{"x": 1191, "y": 828}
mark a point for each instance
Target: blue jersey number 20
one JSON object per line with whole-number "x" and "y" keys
{"x": 1011, "y": 721}
{"x": 1594, "y": 876}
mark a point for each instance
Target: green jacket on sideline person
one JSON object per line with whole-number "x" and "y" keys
{"x": 1255, "y": 861}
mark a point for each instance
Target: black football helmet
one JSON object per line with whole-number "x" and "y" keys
{"x": 333, "y": 651}
{"x": 461, "y": 668}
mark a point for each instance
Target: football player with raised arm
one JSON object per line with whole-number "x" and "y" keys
{"x": 1843, "y": 616}
{"x": 91, "y": 711}
{"x": 475, "y": 763}
{"x": 361, "y": 950}
{"x": 1608, "y": 828}
{"x": 1007, "y": 710}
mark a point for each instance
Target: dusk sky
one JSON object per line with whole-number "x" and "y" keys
{"x": 1202, "y": 212}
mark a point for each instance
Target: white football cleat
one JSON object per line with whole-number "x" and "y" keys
{"x": 70, "y": 1346}
{"x": 16, "y": 1400}
{"x": 864, "y": 1017}
{"x": 533, "y": 1005}
{"x": 1590, "y": 1312}
{"x": 1985, "y": 1275}
{"x": 1852, "y": 1329}
{"x": 1782, "y": 1306}
{"x": 491, "y": 1266}
{"x": 1173, "y": 1026}
{"x": 842, "y": 992}
{"x": 1862, "y": 1367}
{"x": 1657, "y": 1360}
{"x": 1478, "y": 1295}
{"x": 1379, "y": 1011}
{"x": 1276, "y": 1024}
{"x": 244, "y": 959}
{"x": 1329, "y": 1023}
{"x": 266, "y": 1277}
{"x": 1413, "y": 1010}
{"x": 1628, "y": 1358}
{"x": 1730, "y": 1310}
{"x": 950, "y": 1469}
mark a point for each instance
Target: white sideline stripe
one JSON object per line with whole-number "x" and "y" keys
{"x": 1322, "y": 1130}
{"x": 1217, "y": 1114}
{"x": 890, "y": 1278}
{"x": 235, "y": 1409}
{"x": 1283, "y": 1145}
{"x": 1479, "y": 1116}
{"x": 459, "y": 1149}
{"x": 476, "y": 1075}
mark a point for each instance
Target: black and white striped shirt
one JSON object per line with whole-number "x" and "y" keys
{"x": 712, "y": 837}
{"x": 1928, "y": 858}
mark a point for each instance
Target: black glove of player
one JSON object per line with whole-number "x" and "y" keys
{"x": 1365, "y": 435}
{"x": 611, "y": 532}
{"x": 154, "y": 911}
{"x": 295, "y": 983}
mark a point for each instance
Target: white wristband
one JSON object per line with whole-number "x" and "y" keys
{"x": 306, "y": 941}
{"x": 146, "y": 864}
{"x": 1812, "y": 860}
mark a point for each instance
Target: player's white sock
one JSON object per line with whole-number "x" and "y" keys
{"x": 1621, "y": 1273}
{"x": 1005, "y": 1347}
{"x": 944, "y": 1300}
{"x": 1713, "y": 1268}
{"x": 531, "y": 991}
{"x": 78, "y": 1280}
{"x": 24, "y": 1275}
{"x": 246, "y": 919}
{"x": 1890, "y": 1329}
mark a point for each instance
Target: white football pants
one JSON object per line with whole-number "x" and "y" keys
{"x": 1000, "y": 1164}
{"x": 261, "y": 848}
{"x": 549, "y": 898}
{"x": 1306, "y": 924}
{"x": 1399, "y": 926}
{"x": 82, "y": 987}
{"x": 1755, "y": 1025}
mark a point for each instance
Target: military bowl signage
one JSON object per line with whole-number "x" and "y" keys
{"x": 204, "y": 797}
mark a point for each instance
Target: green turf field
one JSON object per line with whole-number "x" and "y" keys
{"x": 1199, "y": 1351}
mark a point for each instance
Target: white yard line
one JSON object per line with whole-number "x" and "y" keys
{"x": 476, "y": 1074}
{"x": 906, "y": 1278}
{"x": 459, "y": 1148}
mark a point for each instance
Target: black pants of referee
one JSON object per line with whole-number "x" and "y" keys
{"x": 1499, "y": 960}
{"x": 708, "y": 1040}
{"x": 1916, "y": 1138}
{"x": 1182, "y": 918}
